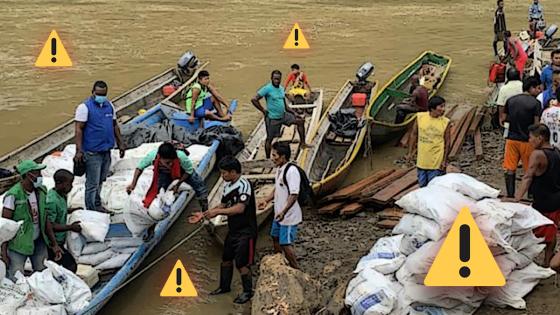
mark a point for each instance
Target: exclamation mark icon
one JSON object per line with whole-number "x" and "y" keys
{"x": 53, "y": 50}
{"x": 464, "y": 249}
{"x": 296, "y": 37}
{"x": 178, "y": 280}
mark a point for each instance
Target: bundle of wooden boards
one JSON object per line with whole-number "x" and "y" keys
{"x": 379, "y": 191}
{"x": 463, "y": 125}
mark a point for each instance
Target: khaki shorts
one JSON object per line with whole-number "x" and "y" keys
{"x": 274, "y": 126}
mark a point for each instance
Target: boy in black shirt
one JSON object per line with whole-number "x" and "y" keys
{"x": 238, "y": 203}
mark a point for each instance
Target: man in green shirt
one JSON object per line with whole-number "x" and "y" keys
{"x": 206, "y": 99}
{"x": 57, "y": 210}
{"x": 169, "y": 164}
{"x": 277, "y": 112}
{"x": 26, "y": 201}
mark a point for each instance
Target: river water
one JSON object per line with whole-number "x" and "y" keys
{"x": 127, "y": 41}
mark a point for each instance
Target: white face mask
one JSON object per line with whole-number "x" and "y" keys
{"x": 38, "y": 182}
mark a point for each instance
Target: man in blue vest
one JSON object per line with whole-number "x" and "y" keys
{"x": 97, "y": 132}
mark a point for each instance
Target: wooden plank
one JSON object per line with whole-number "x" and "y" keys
{"x": 331, "y": 208}
{"x": 451, "y": 111}
{"x": 478, "y": 145}
{"x": 252, "y": 164}
{"x": 475, "y": 122}
{"x": 352, "y": 208}
{"x": 391, "y": 214}
{"x": 387, "y": 224}
{"x": 379, "y": 185}
{"x": 461, "y": 136}
{"x": 260, "y": 176}
{"x": 345, "y": 192}
{"x": 406, "y": 191}
{"x": 386, "y": 194}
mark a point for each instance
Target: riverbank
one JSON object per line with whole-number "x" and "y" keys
{"x": 329, "y": 248}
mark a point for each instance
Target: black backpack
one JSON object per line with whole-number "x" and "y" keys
{"x": 306, "y": 196}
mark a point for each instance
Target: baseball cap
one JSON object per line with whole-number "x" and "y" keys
{"x": 27, "y": 166}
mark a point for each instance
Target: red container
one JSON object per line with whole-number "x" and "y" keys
{"x": 168, "y": 89}
{"x": 359, "y": 99}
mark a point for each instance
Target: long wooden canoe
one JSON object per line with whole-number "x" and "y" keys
{"x": 144, "y": 95}
{"x": 383, "y": 111}
{"x": 259, "y": 170}
{"x": 328, "y": 161}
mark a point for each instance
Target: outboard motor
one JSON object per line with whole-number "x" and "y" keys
{"x": 187, "y": 61}
{"x": 549, "y": 33}
{"x": 364, "y": 72}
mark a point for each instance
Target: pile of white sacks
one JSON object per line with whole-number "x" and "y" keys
{"x": 57, "y": 290}
{"x": 389, "y": 280}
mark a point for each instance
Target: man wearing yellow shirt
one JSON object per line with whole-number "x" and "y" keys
{"x": 432, "y": 129}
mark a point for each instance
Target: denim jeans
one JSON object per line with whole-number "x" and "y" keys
{"x": 17, "y": 260}
{"x": 200, "y": 189}
{"x": 97, "y": 169}
{"x": 425, "y": 176}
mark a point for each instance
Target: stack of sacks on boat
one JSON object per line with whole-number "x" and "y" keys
{"x": 52, "y": 291}
{"x": 390, "y": 277}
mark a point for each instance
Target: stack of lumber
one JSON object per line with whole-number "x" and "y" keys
{"x": 463, "y": 126}
{"x": 379, "y": 190}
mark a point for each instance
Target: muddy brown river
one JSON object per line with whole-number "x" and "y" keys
{"x": 127, "y": 41}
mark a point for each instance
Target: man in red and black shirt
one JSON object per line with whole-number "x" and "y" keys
{"x": 297, "y": 85}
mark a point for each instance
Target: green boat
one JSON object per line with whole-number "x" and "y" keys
{"x": 383, "y": 111}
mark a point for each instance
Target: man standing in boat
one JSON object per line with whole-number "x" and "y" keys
{"x": 26, "y": 201}
{"x": 277, "y": 112}
{"x": 206, "y": 99}
{"x": 239, "y": 205}
{"x": 169, "y": 164}
{"x": 97, "y": 131}
{"x": 433, "y": 132}
{"x": 297, "y": 84}
{"x": 287, "y": 211}
{"x": 536, "y": 15}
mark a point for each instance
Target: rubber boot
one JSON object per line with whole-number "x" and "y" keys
{"x": 226, "y": 273}
{"x": 510, "y": 185}
{"x": 247, "y": 294}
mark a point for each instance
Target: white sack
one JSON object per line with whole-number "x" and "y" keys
{"x": 437, "y": 203}
{"x": 526, "y": 218}
{"x": 136, "y": 216}
{"x": 8, "y": 229}
{"x": 465, "y": 185}
{"x": 133, "y": 157}
{"x": 96, "y": 259}
{"x": 370, "y": 293}
{"x": 113, "y": 263}
{"x": 77, "y": 292}
{"x": 95, "y": 225}
{"x": 41, "y": 310}
{"x": 94, "y": 248}
{"x": 44, "y": 286}
{"x": 519, "y": 284}
{"x": 54, "y": 163}
{"x": 384, "y": 256}
{"x": 123, "y": 242}
{"x": 12, "y": 296}
{"x": 75, "y": 243}
{"x": 411, "y": 243}
{"x": 417, "y": 225}
{"x": 2, "y": 270}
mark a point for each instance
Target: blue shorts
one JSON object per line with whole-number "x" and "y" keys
{"x": 206, "y": 105}
{"x": 285, "y": 233}
{"x": 425, "y": 176}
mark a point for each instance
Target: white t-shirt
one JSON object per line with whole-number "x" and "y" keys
{"x": 551, "y": 118}
{"x": 10, "y": 203}
{"x": 281, "y": 194}
{"x": 82, "y": 113}
{"x": 509, "y": 89}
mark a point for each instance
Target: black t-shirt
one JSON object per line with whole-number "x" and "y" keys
{"x": 244, "y": 223}
{"x": 521, "y": 111}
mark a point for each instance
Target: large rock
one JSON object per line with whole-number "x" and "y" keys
{"x": 283, "y": 290}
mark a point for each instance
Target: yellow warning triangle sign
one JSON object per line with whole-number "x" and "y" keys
{"x": 53, "y": 53}
{"x": 296, "y": 39}
{"x": 464, "y": 259}
{"x": 178, "y": 283}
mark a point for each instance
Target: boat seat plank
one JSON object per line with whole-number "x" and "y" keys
{"x": 397, "y": 93}
{"x": 118, "y": 230}
{"x": 259, "y": 176}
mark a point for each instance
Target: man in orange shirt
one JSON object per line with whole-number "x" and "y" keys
{"x": 299, "y": 86}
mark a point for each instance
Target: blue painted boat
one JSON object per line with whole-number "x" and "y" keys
{"x": 103, "y": 291}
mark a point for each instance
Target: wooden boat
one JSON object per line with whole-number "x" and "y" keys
{"x": 104, "y": 290}
{"x": 328, "y": 161}
{"x": 261, "y": 171}
{"x": 144, "y": 95}
{"x": 542, "y": 54}
{"x": 383, "y": 110}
